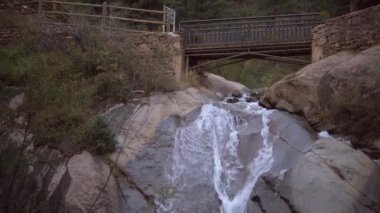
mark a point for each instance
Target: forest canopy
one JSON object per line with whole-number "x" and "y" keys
{"x": 204, "y": 9}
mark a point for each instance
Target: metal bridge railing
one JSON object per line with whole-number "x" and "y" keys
{"x": 105, "y": 16}
{"x": 252, "y": 31}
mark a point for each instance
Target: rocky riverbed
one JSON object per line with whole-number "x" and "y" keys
{"x": 217, "y": 149}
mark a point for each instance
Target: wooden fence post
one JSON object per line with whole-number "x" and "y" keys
{"x": 164, "y": 20}
{"x": 104, "y": 16}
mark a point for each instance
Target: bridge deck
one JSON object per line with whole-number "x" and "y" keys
{"x": 274, "y": 35}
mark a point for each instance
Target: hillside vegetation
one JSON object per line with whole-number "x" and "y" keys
{"x": 67, "y": 80}
{"x": 53, "y": 89}
{"x": 200, "y": 9}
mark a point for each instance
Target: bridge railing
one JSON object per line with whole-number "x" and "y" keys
{"x": 249, "y": 31}
{"x": 105, "y": 16}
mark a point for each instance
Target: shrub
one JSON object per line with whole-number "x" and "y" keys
{"x": 99, "y": 138}
{"x": 15, "y": 64}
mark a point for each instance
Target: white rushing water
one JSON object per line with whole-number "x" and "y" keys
{"x": 207, "y": 152}
{"x": 323, "y": 134}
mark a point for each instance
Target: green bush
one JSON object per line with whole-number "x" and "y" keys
{"x": 15, "y": 63}
{"x": 99, "y": 138}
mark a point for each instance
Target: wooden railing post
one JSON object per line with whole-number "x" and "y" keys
{"x": 104, "y": 16}
{"x": 164, "y": 20}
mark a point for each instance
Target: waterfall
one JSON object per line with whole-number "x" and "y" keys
{"x": 206, "y": 156}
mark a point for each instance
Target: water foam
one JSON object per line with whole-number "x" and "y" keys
{"x": 210, "y": 144}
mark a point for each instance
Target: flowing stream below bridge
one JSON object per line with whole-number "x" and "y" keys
{"x": 218, "y": 156}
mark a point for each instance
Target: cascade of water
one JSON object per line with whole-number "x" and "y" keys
{"x": 206, "y": 152}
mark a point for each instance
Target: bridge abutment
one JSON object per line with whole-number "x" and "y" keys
{"x": 166, "y": 46}
{"x": 355, "y": 31}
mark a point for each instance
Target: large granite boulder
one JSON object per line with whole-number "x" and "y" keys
{"x": 329, "y": 176}
{"x": 91, "y": 188}
{"x": 340, "y": 94}
{"x": 145, "y": 132}
{"x": 298, "y": 93}
{"x": 350, "y": 100}
{"x": 307, "y": 175}
{"x": 332, "y": 177}
{"x": 52, "y": 183}
{"x": 292, "y": 138}
{"x": 224, "y": 87}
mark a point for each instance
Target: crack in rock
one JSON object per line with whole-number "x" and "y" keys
{"x": 256, "y": 199}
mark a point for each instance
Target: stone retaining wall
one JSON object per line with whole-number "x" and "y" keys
{"x": 9, "y": 34}
{"x": 355, "y": 31}
{"x": 168, "y": 45}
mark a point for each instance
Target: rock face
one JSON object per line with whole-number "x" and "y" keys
{"x": 143, "y": 118}
{"x": 307, "y": 175}
{"x": 145, "y": 133}
{"x": 298, "y": 93}
{"x": 350, "y": 100}
{"x": 87, "y": 191}
{"x": 71, "y": 183}
{"x": 329, "y": 176}
{"x": 148, "y": 168}
{"x": 70, "y": 186}
{"x": 332, "y": 177}
{"x": 340, "y": 93}
{"x": 224, "y": 87}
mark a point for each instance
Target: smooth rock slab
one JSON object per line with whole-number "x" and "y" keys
{"x": 88, "y": 176}
{"x": 333, "y": 177}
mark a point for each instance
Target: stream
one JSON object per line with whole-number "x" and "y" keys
{"x": 215, "y": 158}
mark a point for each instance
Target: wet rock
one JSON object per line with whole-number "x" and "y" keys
{"x": 255, "y": 95}
{"x": 154, "y": 120}
{"x": 292, "y": 138}
{"x": 249, "y": 100}
{"x": 144, "y": 118}
{"x": 236, "y": 95}
{"x": 135, "y": 199}
{"x": 267, "y": 199}
{"x": 232, "y": 100}
{"x": 154, "y": 160}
